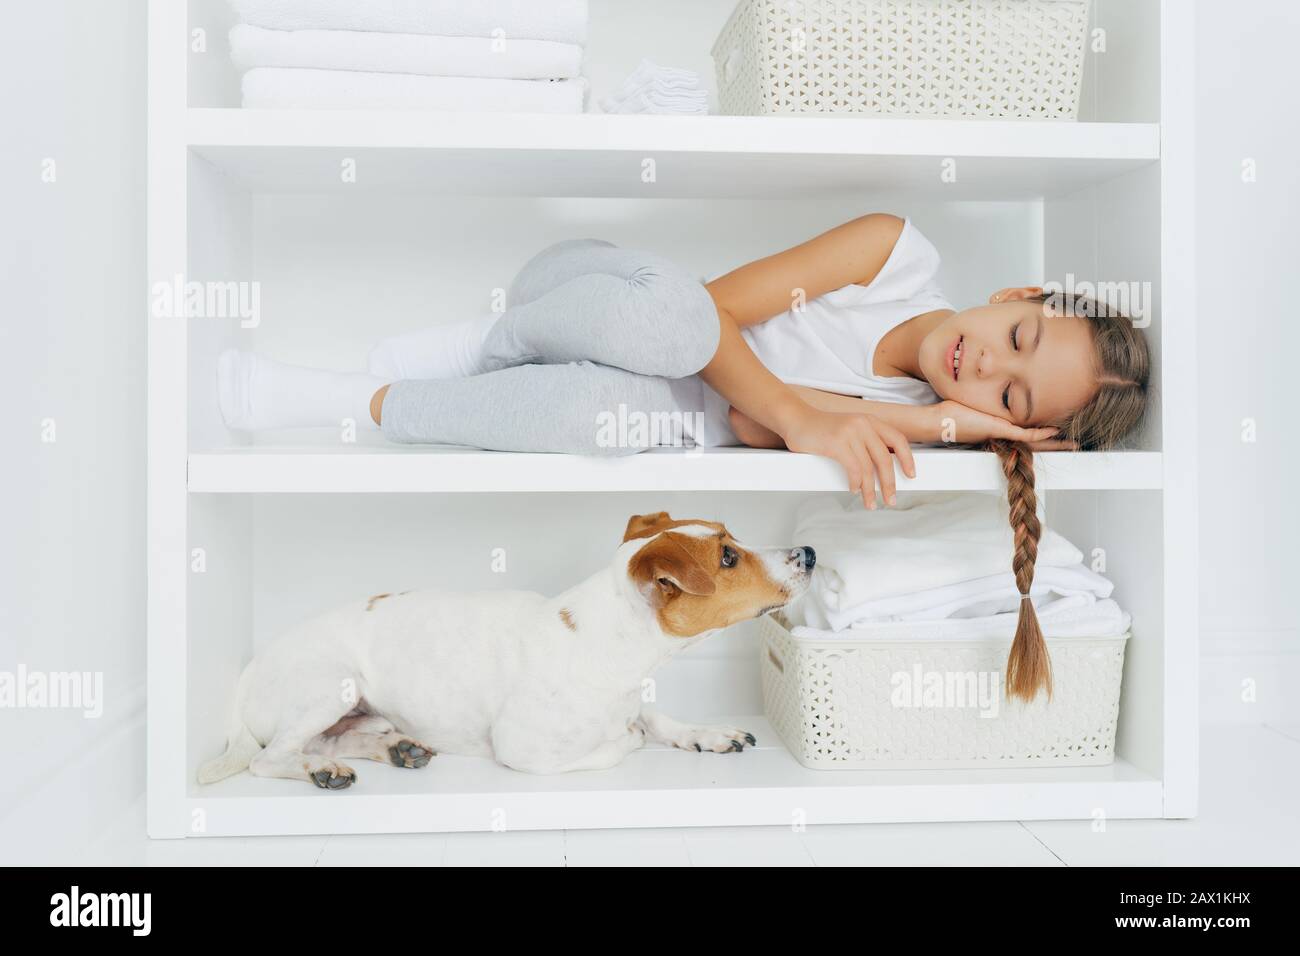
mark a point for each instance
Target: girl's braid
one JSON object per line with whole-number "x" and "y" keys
{"x": 1029, "y": 666}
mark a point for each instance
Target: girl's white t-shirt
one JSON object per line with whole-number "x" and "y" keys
{"x": 831, "y": 342}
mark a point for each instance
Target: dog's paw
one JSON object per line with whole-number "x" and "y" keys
{"x": 333, "y": 776}
{"x": 637, "y": 735}
{"x": 719, "y": 740}
{"x": 410, "y": 753}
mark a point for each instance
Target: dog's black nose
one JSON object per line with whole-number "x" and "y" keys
{"x": 804, "y": 557}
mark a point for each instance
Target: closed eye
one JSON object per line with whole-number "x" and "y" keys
{"x": 1015, "y": 346}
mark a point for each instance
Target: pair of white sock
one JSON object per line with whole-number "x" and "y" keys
{"x": 255, "y": 392}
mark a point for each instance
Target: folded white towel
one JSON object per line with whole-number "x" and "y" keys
{"x": 643, "y": 103}
{"x": 657, "y": 89}
{"x": 650, "y": 72}
{"x": 928, "y": 541}
{"x": 660, "y": 96}
{"x": 564, "y": 21}
{"x": 978, "y": 597}
{"x": 272, "y": 88}
{"x": 689, "y": 86}
{"x": 1066, "y": 617}
{"x": 416, "y": 53}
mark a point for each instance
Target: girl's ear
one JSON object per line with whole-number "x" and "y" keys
{"x": 1015, "y": 295}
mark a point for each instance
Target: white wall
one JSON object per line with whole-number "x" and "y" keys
{"x": 72, "y": 582}
{"x": 1247, "y": 252}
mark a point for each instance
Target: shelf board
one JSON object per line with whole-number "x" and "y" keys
{"x": 395, "y": 469}
{"x": 658, "y": 787}
{"x": 598, "y": 155}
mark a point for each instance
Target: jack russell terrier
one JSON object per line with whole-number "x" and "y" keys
{"x": 543, "y": 685}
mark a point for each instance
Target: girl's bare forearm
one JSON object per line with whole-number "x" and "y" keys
{"x": 737, "y": 375}
{"x": 912, "y": 420}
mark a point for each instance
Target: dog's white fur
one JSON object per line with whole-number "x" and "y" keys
{"x": 543, "y": 685}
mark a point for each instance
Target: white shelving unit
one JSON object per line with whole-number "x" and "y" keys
{"x": 245, "y": 538}
{"x": 450, "y": 469}
{"x": 697, "y": 157}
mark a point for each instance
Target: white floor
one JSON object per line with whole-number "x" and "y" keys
{"x": 1249, "y": 780}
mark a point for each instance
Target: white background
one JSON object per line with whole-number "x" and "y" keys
{"x": 72, "y": 581}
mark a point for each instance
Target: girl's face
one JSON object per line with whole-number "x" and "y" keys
{"x": 1012, "y": 358}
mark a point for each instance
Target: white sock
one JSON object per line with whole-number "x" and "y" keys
{"x": 255, "y": 392}
{"x": 452, "y": 350}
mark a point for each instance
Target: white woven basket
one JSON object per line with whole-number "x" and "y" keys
{"x": 1008, "y": 59}
{"x": 842, "y": 704}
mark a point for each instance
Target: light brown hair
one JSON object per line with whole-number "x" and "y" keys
{"x": 1122, "y": 365}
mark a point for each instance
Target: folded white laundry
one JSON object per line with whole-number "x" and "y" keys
{"x": 648, "y": 103}
{"x": 564, "y": 21}
{"x": 649, "y": 72}
{"x": 656, "y": 89}
{"x": 978, "y": 597}
{"x": 275, "y": 88}
{"x": 417, "y": 53}
{"x": 929, "y": 540}
{"x": 1073, "y": 616}
{"x": 685, "y": 87}
{"x": 658, "y": 97}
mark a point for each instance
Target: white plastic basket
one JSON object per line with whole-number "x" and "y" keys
{"x": 1007, "y": 59}
{"x": 842, "y": 704}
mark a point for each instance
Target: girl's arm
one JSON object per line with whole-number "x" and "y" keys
{"x": 916, "y": 422}
{"x": 860, "y": 444}
{"x": 948, "y": 422}
{"x": 852, "y": 253}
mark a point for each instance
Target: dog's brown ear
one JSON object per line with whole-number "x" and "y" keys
{"x": 666, "y": 567}
{"x": 642, "y": 526}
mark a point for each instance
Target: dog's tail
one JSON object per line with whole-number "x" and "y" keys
{"x": 241, "y": 748}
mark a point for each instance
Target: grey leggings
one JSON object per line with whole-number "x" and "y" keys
{"x": 589, "y": 327}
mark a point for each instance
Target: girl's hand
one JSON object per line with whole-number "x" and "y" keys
{"x": 862, "y": 444}
{"x": 954, "y": 423}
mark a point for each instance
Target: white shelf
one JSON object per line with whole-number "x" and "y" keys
{"x": 662, "y": 788}
{"x": 1117, "y": 203}
{"x": 395, "y": 469}
{"x": 715, "y": 156}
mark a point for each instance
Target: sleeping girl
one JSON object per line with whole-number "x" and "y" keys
{"x": 844, "y": 346}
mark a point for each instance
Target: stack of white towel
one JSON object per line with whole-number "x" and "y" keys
{"x": 659, "y": 89}
{"x": 938, "y": 567}
{"x": 472, "y": 55}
